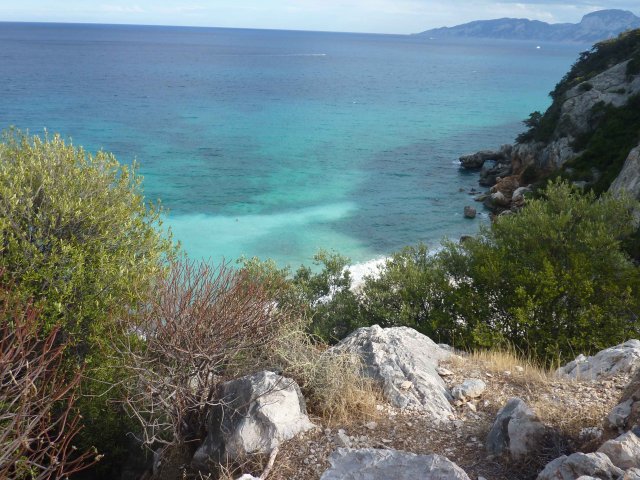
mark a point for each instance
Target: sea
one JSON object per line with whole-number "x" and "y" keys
{"x": 277, "y": 144}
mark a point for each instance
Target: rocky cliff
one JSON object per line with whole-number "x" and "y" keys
{"x": 585, "y": 136}
{"x": 595, "y": 26}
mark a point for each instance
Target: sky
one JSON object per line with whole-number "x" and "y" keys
{"x": 376, "y": 16}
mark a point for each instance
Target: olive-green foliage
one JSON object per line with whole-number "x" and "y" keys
{"x": 322, "y": 295}
{"x": 76, "y": 235}
{"x": 78, "y": 238}
{"x": 551, "y": 280}
{"x": 411, "y": 291}
{"x": 607, "y": 147}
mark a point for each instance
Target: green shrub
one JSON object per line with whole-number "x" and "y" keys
{"x": 552, "y": 280}
{"x": 633, "y": 67}
{"x": 322, "y": 296}
{"x": 75, "y": 234}
{"x": 77, "y": 237}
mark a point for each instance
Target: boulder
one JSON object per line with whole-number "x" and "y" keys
{"x": 626, "y": 415}
{"x": 256, "y": 413}
{"x": 516, "y": 430}
{"x": 519, "y": 193}
{"x": 631, "y": 474}
{"x": 373, "y": 464}
{"x": 404, "y": 362}
{"x": 596, "y": 465}
{"x": 469, "y": 212}
{"x": 499, "y": 199}
{"x": 619, "y": 415}
{"x": 506, "y": 185}
{"x": 470, "y": 388}
{"x": 624, "y": 358}
{"x": 623, "y": 451}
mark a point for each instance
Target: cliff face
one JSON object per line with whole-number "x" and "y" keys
{"x": 629, "y": 178}
{"x": 585, "y": 136}
{"x": 595, "y": 26}
{"x": 581, "y": 112}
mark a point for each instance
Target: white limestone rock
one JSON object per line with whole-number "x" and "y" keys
{"x": 617, "y": 418}
{"x": 610, "y": 87}
{"x": 470, "y": 388}
{"x": 516, "y": 430}
{"x": 631, "y": 474}
{"x": 373, "y": 464}
{"x": 624, "y": 358}
{"x": 256, "y": 414}
{"x": 623, "y": 451}
{"x": 596, "y": 465}
{"x": 405, "y": 363}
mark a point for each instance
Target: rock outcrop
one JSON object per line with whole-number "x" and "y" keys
{"x": 405, "y": 364}
{"x": 629, "y": 178}
{"x": 596, "y": 465}
{"x": 476, "y": 160}
{"x": 624, "y": 451}
{"x": 600, "y": 82}
{"x": 626, "y": 415}
{"x": 256, "y": 414}
{"x": 374, "y": 464}
{"x": 516, "y": 431}
{"x": 624, "y": 358}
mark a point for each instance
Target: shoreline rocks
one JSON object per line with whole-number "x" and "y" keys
{"x": 474, "y": 161}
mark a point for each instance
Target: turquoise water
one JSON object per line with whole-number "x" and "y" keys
{"x": 275, "y": 144}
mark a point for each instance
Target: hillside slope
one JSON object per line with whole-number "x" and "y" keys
{"x": 594, "y": 26}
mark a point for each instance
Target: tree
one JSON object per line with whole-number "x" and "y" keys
{"x": 552, "y": 280}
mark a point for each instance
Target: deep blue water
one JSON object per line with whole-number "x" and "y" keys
{"x": 278, "y": 143}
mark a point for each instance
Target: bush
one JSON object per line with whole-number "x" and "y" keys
{"x": 332, "y": 382}
{"x": 551, "y": 281}
{"x": 37, "y": 402}
{"x": 77, "y": 237}
{"x": 321, "y": 295}
{"x": 201, "y": 327}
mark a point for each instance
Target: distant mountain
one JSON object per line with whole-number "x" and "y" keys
{"x": 594, "y": 26}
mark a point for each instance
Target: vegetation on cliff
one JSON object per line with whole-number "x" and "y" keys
{"x": 603, "y": 55}
{"x": 613, "y": 130}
